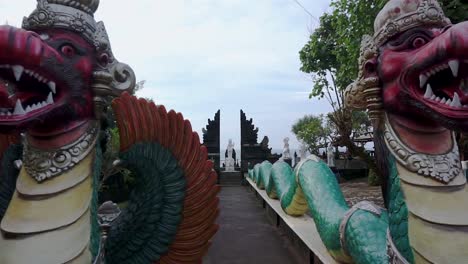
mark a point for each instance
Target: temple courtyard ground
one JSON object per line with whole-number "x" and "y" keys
{"x": 358, "y": 190}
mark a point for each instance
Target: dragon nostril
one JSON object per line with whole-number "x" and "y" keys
{"x": 104, "y": 59}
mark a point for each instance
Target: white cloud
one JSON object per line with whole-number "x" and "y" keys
{"x": 204, "y": 55}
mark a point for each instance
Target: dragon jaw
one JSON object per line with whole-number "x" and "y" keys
{"x": 44, "y": 78}
{"x": 425, "y": 76}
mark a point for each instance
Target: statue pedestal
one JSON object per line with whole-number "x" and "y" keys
{"x": 230, "y": 164}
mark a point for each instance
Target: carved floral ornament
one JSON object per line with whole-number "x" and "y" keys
{"x": 43, "y": 165}
{"x": 365, "y": 92}
{"x": 442, "y": 168}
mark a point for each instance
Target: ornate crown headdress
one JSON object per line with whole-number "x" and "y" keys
{"x": 78, "y": 16}
{"x": 72, "y": 15}
{"x": 396, "y": 17}
{"x": 400, "y": 15}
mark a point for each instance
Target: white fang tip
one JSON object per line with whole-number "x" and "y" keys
{"x": 50, "y": 99}
{"x": 456, "y": 101}
{"x": 17, "y": 71}
{"x": 429, "y": 92}
{"x": 454, "y": 66}
{"x": 52, "y": 87}
{"x": 422, "y": 80}
{"x": 19, "y": 110}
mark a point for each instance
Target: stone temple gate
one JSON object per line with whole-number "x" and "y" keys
{"x": 252, "y": 151}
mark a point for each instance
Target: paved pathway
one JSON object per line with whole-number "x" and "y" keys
{"x": 245, "y": 235}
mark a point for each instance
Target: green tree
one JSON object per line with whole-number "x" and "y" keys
{"x": 312, "y": 130}
{"x": 331, "y": 56}
{"x": 456, "y": 10}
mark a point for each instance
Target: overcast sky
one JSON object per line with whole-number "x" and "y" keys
{"x": 198, "y": 56}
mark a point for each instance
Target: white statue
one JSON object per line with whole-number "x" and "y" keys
{"x": 286, "y": 151}
{"x": 230, "y": 162}
{"x": 330, "y": 156}
{"x": 303, "y": 152}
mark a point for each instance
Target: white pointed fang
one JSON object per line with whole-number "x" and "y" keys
{"x": 443, "y": 101}
{"x": 433, "y": 97}
{"x": 28, "y": 109}
{"x": 52, "y": 86}
{"x": 50, "y": 99}
{"x": 454, "y": 66}
{"x": 437, "y": 99}
{"x": 429, "y": 92}
{"x": 19, "y": 110}
{"x": 422, "y": 80}
{"x": 17, "y": 71}
{"x": 449, "y": 101}
{"x": 456, "y": 101}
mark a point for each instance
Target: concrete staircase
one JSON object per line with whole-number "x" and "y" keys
{"x": 230, "y": 178}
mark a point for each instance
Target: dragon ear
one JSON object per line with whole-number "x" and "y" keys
{"x": 109, "y": 83}
{"x": 365, "y": 92}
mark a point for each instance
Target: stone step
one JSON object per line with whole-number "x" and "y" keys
{"x": 230, "y": 178}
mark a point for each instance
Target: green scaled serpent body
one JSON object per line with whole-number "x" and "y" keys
{"x": 313, "y": 186}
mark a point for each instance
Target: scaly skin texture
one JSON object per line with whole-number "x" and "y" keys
{"x": 398, "y": 213}
{"x": 365, "y": 231}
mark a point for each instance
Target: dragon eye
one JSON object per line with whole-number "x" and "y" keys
{"x": 419, "y": 42}
{"x": 68, "y": 50}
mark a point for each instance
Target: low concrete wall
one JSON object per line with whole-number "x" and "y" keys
{"x": 300, "y": 231}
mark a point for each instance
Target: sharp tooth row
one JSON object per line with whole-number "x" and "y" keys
{"x": 454, "y": 66}
{"x": 18, "y": 71}
{"x": 20, "y": 110}
{"x": 455, "y": 102}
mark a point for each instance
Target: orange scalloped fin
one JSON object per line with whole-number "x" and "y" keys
{"x": 141, "y": 121}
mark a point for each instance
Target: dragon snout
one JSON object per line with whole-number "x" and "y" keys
{"x": 19, "y": 46}
{"x": 455, "y": 40}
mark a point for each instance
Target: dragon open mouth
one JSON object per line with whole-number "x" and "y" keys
{"x": 25, "y": 93}
{"x": 445, "y": 85}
